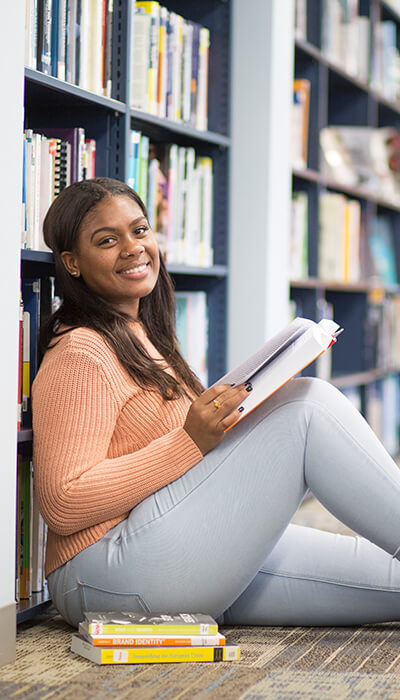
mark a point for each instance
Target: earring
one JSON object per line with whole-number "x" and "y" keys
{"x": 74, "y": 274}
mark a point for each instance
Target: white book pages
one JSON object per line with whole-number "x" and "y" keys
{"x": 281, "y": 358}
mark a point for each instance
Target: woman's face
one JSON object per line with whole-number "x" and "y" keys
{"x": 117, "y": 253}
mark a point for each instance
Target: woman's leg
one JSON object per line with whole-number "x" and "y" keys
{"x": 199, "y": 542}
{"x": 320, "y": 578}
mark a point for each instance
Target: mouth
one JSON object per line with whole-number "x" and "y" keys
{"x": 135, "y": 271}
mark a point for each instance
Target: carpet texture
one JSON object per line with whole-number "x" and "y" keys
{"x": 276, "y": 662}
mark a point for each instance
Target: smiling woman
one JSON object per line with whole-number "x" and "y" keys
{"x": 151, "y": 503}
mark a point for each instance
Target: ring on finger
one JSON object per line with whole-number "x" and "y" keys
{"x": 216, "y": 403}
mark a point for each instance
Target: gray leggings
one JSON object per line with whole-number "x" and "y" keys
{"x": 218, "y": 539}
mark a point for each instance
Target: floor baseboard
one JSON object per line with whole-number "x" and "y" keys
{"x": 8, "y": 632}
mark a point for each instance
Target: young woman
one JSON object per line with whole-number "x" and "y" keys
{"x": 150, "y": 505}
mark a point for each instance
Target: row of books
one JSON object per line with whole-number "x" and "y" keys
{"x": 381, "y": 399}
{"x": 192, "y": 331}
{"x": 135, "y": 638}
{"x": 52, "y": 160}
{"x": 31, "y": 533}
{"x": 364, "y": 157}
{"x": 71, "y": 40}
{"x": 385, "y": 60}
{"x": 346, "y": 37}
{"x": 382, "y": 411}
{"x": 382, "y": 333}
{"x": 371, "y": 55}
{"x": 348, "y": 250}
{"x": 180, "y": 203}
{"x": 169, "y": 65}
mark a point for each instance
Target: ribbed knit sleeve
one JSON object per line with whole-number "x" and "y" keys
{"x": 77, "y": 404}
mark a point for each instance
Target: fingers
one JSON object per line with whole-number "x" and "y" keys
{"x": 225, "y": 401}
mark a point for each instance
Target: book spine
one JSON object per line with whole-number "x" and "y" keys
{"x": 154, "y": 641}
{"x": 62, "y": 22}
{"x": 154, "y": 655}
{"x": 96, "y": 628}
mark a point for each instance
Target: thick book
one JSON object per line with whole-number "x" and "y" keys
{"x": 140, "y": 655}
{"x": 281, "y": 358}
{"x": 151, "y": 640}
{"x": 136, "y": 623}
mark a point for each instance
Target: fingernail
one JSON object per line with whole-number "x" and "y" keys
{"x": 241, "y": 409}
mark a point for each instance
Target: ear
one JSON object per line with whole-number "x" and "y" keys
{"x": 70, "y": 263}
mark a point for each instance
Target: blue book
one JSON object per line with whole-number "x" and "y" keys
{"x": 54, "y": 38}
{"x": 133, "y": 159}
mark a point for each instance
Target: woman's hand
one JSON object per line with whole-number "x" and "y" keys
{"x": 212, "y": 413}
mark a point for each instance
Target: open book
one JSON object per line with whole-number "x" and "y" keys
{"x": 281, "y": 358}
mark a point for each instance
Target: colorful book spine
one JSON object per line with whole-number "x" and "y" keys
{"x": 138, "y": 655}
{"x": 112, "y": 640}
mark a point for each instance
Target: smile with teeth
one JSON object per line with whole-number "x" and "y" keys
{"x": 136, "y": 270}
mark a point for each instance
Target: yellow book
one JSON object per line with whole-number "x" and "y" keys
{"x": 151, "y": 655}
{"x": 137, "y": 623}
{"x": 152, "y": 8}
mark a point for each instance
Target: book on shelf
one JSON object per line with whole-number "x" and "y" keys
{"x": 300, "y": 119}
{"x": 148, "y": 655}
{"x": 280, "y": 359}
{"x": 345, "y": 37}
{"x": 300, "y": 19}
{"x": 381, "y": 245}
{"x": 125, "y": 622}
{"x": 298, "y": 241}
{"x": 339, "y": 238}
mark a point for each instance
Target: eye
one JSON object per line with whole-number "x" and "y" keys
{"x": 109, "y": 240}
{"x": 141, "y": 230}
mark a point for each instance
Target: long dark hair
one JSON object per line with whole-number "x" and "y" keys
{"x": 81, "y": 307}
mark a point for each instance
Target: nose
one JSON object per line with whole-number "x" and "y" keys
{"x": 133, "y": 247}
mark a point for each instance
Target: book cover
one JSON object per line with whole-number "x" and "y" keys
{"x": 151, "y": 640}
{"x": 138, "y": 655}
{"x": 280, "y": 359}
{"x": 300, "y": 115}
{"x": 136, "y": 623}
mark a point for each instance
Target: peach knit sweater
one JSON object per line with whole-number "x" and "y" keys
{"x": 101, "y": 444}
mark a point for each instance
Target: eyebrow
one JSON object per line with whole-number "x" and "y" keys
{"x": 112, "y": 228}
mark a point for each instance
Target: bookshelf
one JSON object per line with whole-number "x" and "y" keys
{"x": 109, "y": 121}
{"x": 340, "y": 96}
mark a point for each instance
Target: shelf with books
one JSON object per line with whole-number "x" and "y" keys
{"x": 344, "y": 242}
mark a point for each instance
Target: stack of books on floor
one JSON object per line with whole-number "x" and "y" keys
{"x": 133, "y": 638}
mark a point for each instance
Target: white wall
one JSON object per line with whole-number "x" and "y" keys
{"x": 11, "y": 126}
{"x": 260, "y": 187}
